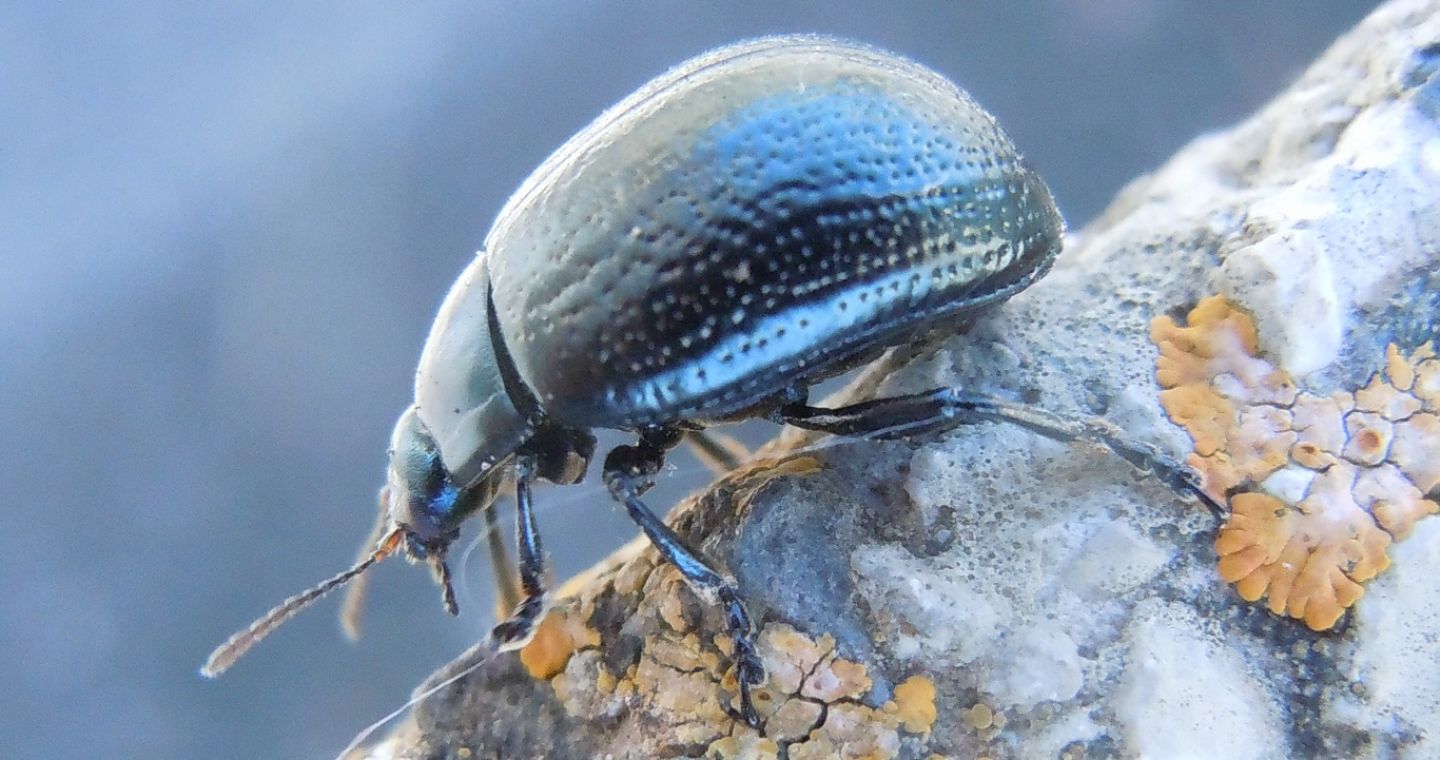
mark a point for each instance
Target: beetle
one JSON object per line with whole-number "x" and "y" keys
{"x": 758, "y": 219}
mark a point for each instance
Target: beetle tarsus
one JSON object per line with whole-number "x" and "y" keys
{"x": 945, "y": 408}
{"x": 749, "y": 669}
{"x": 629, "y": 471}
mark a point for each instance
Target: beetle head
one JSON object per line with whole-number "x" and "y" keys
{"x": 423, "y": 501}
{"x": 420, "y": 497}
{"x": 421, "y": 508}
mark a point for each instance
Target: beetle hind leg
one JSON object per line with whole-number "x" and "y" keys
{"x": 945, "y": 408}
{"x": 630, "y": 471}
{"x": 718, "y": 451}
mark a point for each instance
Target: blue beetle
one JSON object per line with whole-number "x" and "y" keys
{"x": 760, "y": 218}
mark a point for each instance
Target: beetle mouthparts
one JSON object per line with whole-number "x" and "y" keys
{"x": 447, "y": 588}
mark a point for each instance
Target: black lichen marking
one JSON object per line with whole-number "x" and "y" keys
{"x": 1425, "y": 64}
{"x": 620, "y": 650}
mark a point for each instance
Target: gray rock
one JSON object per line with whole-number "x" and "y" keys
{"x": 992, "y": 593}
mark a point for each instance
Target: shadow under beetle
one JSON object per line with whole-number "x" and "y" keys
{"x": 758, "y": 219}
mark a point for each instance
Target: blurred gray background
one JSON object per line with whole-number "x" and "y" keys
{"x": 223, "y": 234}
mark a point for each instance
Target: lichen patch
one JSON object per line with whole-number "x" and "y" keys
{"x": 914, "y": 704}
{"x": 747, "y": 747}
{"x": 744, "y": 483}
{"x": 677, "y": 677}
{"x": 850, "y": 731}
{"x": 836, "y": 679}
{"x": 815, "y": 703}
{"x": 558, "y": 636}
{"x": 1319, "y": 486}
{"x": 792, "y": 656}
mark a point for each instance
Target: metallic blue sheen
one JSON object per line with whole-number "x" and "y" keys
{"x": 752, "y": 221}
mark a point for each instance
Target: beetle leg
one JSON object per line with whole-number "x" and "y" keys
{"x": 353, "y": 606}
{"x": 629, "y": 472}
{"x": 519, "y": 628}
{"x": 945, "y": 408}
{"x": 507, "y": 589}
{"x": 515, "y": 631}
{"x": 718, "y": 451}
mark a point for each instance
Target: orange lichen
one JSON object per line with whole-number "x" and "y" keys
{"x": 672, "y": 606}
{"x": 605, "y": 682}
{"x": 794, "y": 656}
{"x": 1368, "y": 438}
{"x": 812, "y": 703}
{"x": 836, "y": 679}
{"x": 914, "y": 704}
{"x": 1389, "y": 401}
{"x": 556, "y": 638}
{"x": 984, "y": 720}
{"x": 1399, "y": 369}
{"x": 1320, "y": 485}
{"x": 746, "y": 480}
{"x": 980, "y": 716}
{"x": 1267, "y": 547}
{"x": 1427, "y": 378}
{"x": 682, "y": 684}
{"x": 1394, "y": 500}
{"x": 1417, "y": 446}
{"x": 850, "y": 731}
{"x": 747, "y": 747}
{"x": 794, "y": 719}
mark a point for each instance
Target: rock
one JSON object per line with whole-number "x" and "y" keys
{"x": 992, "y": 593}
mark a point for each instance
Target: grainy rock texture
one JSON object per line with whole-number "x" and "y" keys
{"x": 992, "y": 593}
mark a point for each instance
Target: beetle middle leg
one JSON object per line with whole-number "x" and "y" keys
{"x": 944, "y": 408}
{"x": 629, "y": 472}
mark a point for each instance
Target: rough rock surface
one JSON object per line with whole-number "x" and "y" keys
{"x": 989, "y": 593}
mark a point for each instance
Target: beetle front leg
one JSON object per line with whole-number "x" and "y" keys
{"x": 517, "y": 630}
{"x": 354, "y": 604}
{"x": 629, "y": 472}
{"x": 945, "y": 408}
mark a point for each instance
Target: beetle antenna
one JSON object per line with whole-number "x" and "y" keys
{"x": 226, "y": 654}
